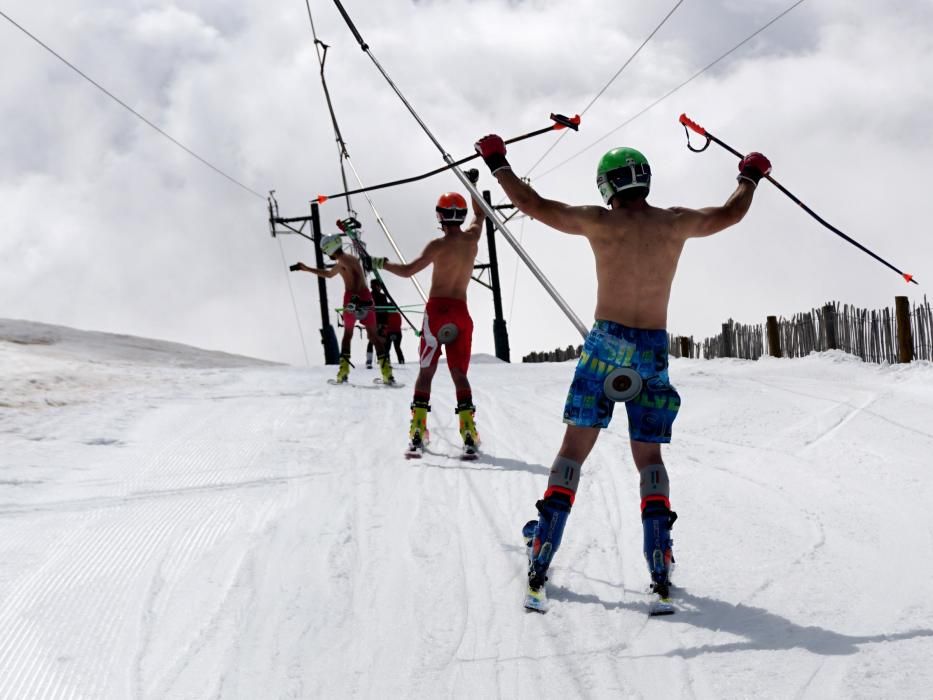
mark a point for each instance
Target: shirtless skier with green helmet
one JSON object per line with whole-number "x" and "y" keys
{"x": 637, "y": 247}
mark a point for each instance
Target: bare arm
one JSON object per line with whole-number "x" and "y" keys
{"x": 696, "y": 223}
{"x": 563, "y": 217}
{"x": 415, "y": 266}
{"x": 479, "y": 216}
{"x": 327, "y": 273}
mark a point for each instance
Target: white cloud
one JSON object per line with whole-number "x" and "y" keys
{"x": 106, "y": 225}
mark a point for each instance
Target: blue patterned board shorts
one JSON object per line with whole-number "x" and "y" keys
{"x": 608, "y": 346}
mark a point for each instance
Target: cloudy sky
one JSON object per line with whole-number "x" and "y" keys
{"x": 106, "y": 225}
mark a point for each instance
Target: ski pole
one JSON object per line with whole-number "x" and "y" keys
{"x": 560, "y": 122}
{"x": 689, "y": 124}
{"x": 474, "y": 193}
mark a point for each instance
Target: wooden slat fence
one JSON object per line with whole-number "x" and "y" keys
{"x": 868, "y": 334}
{"x": 556, "y": 355}
{"x": 736, "y": 340}
{"x": 694, "y": 349}
{"x": 921, "y": 321}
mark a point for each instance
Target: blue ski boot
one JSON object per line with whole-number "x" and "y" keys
{"x": 543, "y": 537}
{"x": 657, "y": 519}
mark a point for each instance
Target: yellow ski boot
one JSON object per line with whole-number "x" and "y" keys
{"x": 418, "y": 435}
{"x": 343, "y": 372}
{"x": 466, "y": 412}
{"x": 386, "y": 368}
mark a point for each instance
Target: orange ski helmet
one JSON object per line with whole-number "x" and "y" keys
{"x": 451, "y": 208}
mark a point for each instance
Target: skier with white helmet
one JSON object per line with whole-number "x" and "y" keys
{"x": 357, "y": 305}
{"x": 625, "y": 357}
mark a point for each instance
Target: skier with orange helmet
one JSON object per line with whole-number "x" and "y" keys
{"x": 447, "y": 321}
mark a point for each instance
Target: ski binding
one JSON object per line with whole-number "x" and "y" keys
{"x": 536, "y": 600}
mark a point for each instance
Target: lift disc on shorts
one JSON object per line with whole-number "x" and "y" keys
{"x": 448, "y": 333}
{"x": 622, "y": 384}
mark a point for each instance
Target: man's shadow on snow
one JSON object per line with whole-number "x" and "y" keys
{"x": 483, "y": 463}
{"x": 761, "y": 630}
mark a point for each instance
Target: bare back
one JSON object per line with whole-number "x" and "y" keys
{"x": 636, "y": 257}
{"x": 453, "y": 257}
{"x": 637, "y": 246}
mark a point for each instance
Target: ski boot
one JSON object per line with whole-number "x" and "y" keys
{"x": 657, "y": 520}
{"x": 418, "y": 435}
{"x": 343, "y": 373}
{"x": 544, "y": 535}
{"x": 386, "y": 368}
{"x": 466, "y": 411}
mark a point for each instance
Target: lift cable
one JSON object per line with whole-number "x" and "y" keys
{"x": 608, "y": 84}
{"x": 321, "y": 49}
{"x": 128, "y": 108}
{"x": 672, "y": 91}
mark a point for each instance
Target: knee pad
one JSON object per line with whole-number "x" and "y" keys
{"x": 655, "y": 485}
{"x": 564, "y": 478}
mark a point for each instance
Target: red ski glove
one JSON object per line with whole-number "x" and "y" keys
{"x": 492, "y": 150}
{"x": 753, "y": 167}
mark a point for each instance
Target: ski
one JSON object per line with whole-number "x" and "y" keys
{"x": 536, "y": 600}
{"x": 334, "y": 382}
{"x": 661, "y": 606}
{"x": 416, "y": 448}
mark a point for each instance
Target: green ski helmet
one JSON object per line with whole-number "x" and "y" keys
{"x": 622, "y": 169}
{"x": 331, "y": 244}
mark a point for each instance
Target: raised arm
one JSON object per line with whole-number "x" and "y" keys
{"x": 327, "y": 273}
{"x": 696, "y": 223}
{"x": 479, "y": 216}
{"x": 410, "y": 268}
{"x": 563, "y": 217}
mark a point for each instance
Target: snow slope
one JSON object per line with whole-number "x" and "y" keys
{"x": 176, "y": 523}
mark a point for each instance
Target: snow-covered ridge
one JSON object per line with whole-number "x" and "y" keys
{"x": 93, "y": 346}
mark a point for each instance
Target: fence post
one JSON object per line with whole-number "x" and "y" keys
{"x": 684, "y": 346}
{"x": 905, "y": 340}
{"x": 726, "y": 340}
{"x": 774, "y": 339}
{"x": 829, "y": 320}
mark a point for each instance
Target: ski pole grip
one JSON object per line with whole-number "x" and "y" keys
{"x": 562, "y": 122}
{"x": 690, "y": 124}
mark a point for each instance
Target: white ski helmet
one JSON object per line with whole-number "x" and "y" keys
{"x": 331, "y": 244}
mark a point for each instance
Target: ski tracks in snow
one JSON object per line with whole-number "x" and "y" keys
{"x": 257, "y": 533}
